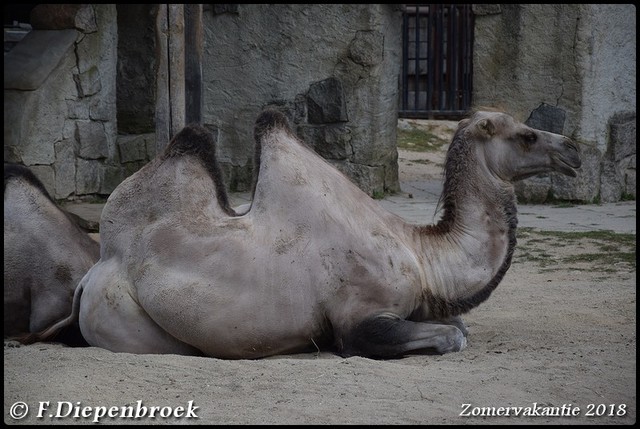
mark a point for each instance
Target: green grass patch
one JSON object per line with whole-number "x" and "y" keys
{"x": 627, "y": 197}
{"x": 590, "y": 251}
{"x": 599, "y": 235}
{"x": 419, "y": 141}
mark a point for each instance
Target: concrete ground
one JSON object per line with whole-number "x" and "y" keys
{"x": 618, "y": 217}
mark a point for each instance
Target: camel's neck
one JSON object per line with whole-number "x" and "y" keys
{"x": 467, "y": 253}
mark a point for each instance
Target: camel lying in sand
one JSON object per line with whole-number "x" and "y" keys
{"x": 315, "y": 262}
{"x": 46, "y": 253}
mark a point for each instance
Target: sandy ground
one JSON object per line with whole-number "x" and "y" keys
{"x": 556, "y": 337}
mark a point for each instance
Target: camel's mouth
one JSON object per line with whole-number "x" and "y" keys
{"x": 566, "y": 166}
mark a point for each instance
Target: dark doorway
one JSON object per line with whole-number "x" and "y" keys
{"x": 437, "y": 61}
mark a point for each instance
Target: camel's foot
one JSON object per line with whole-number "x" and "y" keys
{"x": 387, "y": 335}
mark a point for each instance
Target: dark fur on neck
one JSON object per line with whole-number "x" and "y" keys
{"x": 459, "y": 156}
{"x": 197, "y": 141}
{"x": 442, "y": 308}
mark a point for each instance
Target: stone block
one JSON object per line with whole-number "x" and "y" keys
{"x": 46, "y": 175}
{"x": 151, "y": 145}
{"x": 89, "y": 82}
{"x": 630, "y": 182}
{"x": 65, "y": 168}
{"x": 87, "y": 176}
{"x": 326, "y": 102}
{"x": 133, "y": 147}
{"x": 86, "y": 51}
{"x": 101, "y": 109}
{"x": 611, "y": 182}
{"x": 547, "y": 118}
{"x": 77, "y": 109}
{"x": 92, "y": 140}
{"x": 329, "y": 141}
{"x": 29, "y": 64}
{"x": 534, "y": 190}
{"x": 391, "y": 173}
{"x": 64, "y": 16}
{"x": 300, "y": 109}
{"x": 37, "y": 148}
{"x": 622, "y": 136}
{"x": 69, "y": 129}
{"x": 367, "y": 48}
{"x": 12, "y": 154}
{"x": 110, "y": 177}
{"x": 368, "y": 178}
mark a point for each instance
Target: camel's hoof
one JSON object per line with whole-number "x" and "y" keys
{"x": 454, "y": 342}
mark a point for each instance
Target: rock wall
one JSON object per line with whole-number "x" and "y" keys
{"x": 568, "y": 69}
{"x": 60, "y": 100}
{"x": 80, "y": 88}
{"x": 333, "y": 69}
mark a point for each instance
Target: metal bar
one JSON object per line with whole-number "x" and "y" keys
{"x": 416, "y": 74}
{"x": 440, "y": 55}
{"x": 405, "y": 61}
{"x": 468, "y": 59}
{"x": 430, "y": 58}
{"x": 452, "y": 58}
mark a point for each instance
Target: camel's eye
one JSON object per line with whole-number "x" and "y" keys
{"x": 529, "y": 138}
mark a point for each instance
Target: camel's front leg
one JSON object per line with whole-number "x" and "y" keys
{"x": 453, "y": 320}
{"x": 387, "y": 335}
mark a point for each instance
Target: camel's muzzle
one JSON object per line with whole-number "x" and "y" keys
{"x": 567, "y": 160}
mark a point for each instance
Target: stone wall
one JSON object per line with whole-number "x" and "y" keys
{"x": 60, "y": 102}
{"x": 79, "y": 104}
{"x": 569, "y": 69}
{"x": 333, "y": 69}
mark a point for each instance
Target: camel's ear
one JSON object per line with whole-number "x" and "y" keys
{"x": 486, "y": 127}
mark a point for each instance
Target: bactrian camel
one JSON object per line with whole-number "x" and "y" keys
{"x": 46, "y": 254}
{"x": 315, "y": 262}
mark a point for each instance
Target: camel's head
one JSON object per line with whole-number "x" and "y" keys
{"x": 513, "y": 151}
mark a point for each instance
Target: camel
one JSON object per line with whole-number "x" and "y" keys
{"x": 315, "y": 263}
{"x": 46, "y": 253}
